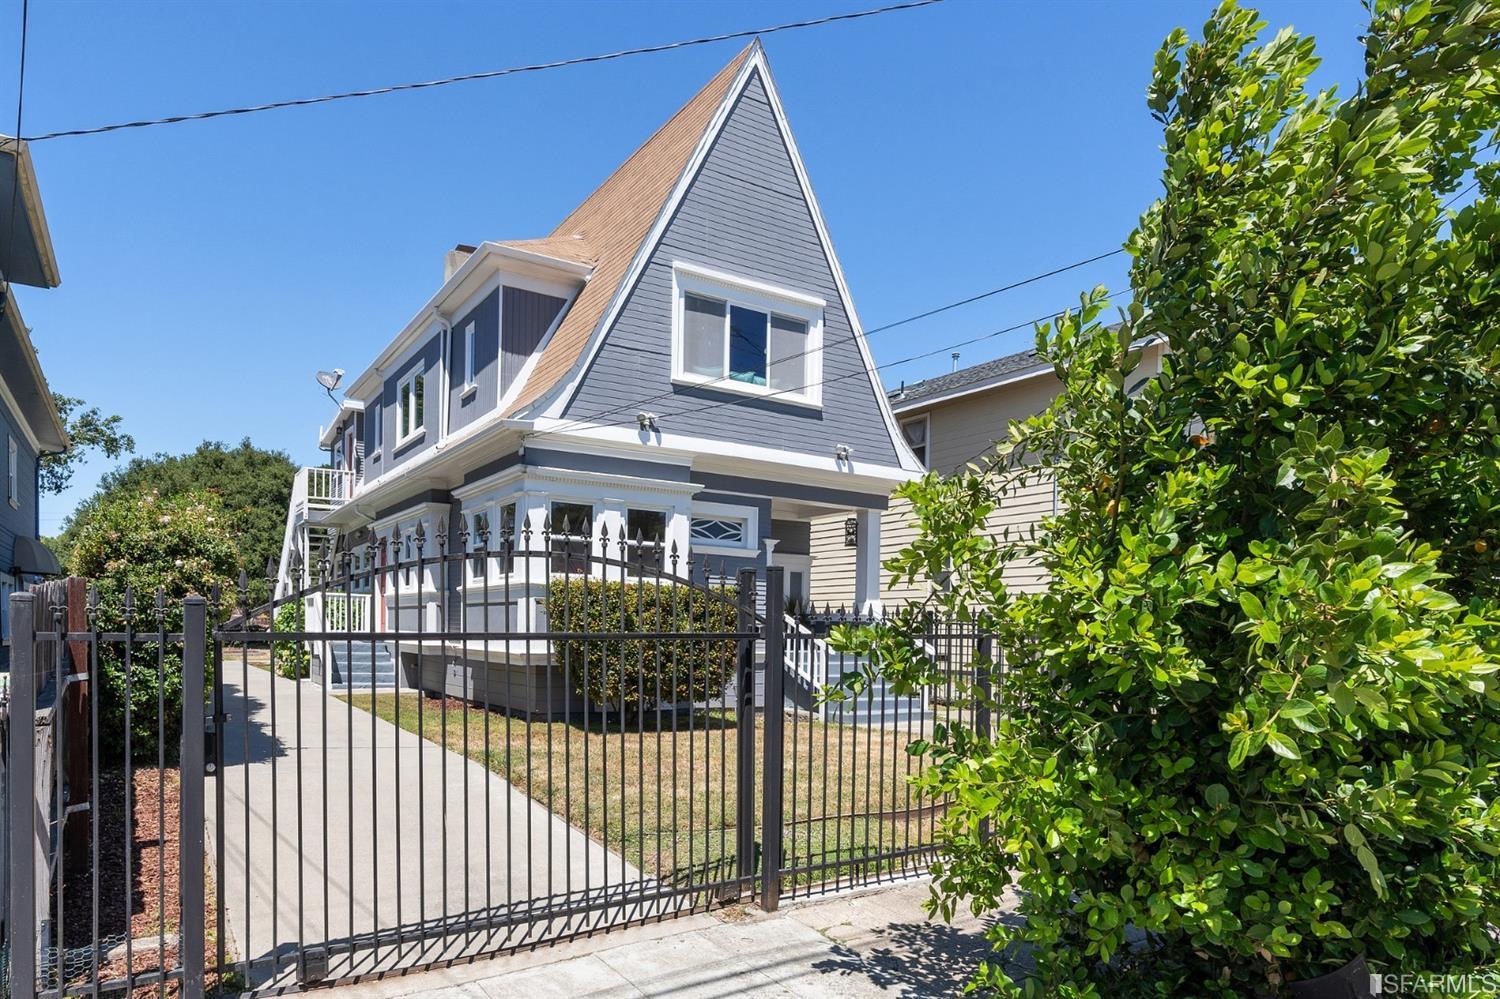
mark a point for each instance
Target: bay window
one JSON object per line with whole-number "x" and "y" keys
{"x": 571, "y": 538}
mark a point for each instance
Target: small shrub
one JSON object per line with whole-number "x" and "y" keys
{"x": 633, "y": 673}
{"x": 292, "y": 658}
{"x": 146, "y": 544}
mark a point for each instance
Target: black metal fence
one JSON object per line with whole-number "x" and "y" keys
{"x": 450, "y": 755}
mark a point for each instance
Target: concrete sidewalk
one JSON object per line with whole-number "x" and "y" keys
{"x": 314, "y": 810}
{"x": 877, "y": 942}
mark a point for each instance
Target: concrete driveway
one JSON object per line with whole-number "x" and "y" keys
{"x": 326, "y": 845}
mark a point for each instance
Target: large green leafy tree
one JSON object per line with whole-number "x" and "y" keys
{"x": 252, "y": 485}
{"x": 88, "y": 430}
{"x": 1251, "y": 729}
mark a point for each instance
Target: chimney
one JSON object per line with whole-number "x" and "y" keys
{"x": 455, "y": 259}
{"x": 954, "y": 355}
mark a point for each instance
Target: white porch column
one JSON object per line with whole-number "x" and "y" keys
{"x": 867, "y": 562}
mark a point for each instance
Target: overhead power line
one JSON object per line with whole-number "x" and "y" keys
{"x": 489, "y": 74}
{"x": 632, "y": 407}
{"x": 857, "y": 373}
{"x": 995, "y": 291}
{"x": 15, "y": 191}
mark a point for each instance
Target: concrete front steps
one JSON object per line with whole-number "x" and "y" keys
{"x": 361, "y": 665}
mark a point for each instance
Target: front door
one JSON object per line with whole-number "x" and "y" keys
{"x": 798, "y": 576}
{"x": 350, "y": 462}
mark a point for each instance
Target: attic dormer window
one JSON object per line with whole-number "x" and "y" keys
{"x": 744, "y": 336}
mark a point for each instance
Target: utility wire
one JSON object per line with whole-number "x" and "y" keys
{"x": 995, "y": 291}
{"x": 15, "y": 191}
{"x": 490, "y": 74}
{"x": 858, "y": 373}
{"x": 633, "y": 406}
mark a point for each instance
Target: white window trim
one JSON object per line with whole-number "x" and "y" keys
{"x": 726, "y": 511}
{"x": 690, "y": 279}
{"x": 13, "y": 475}
{"x": 471, "y": 367}
{"x": 926, "y": 420}
{"x": 409, "y": 379}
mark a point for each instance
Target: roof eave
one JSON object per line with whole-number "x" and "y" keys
{"x": 50, "y": 436}
{"x": 31, "y": 203}
{"x": 984, "y": 385}
{"x": 487, "y": 251}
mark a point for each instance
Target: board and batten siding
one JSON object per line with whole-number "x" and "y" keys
{"x": 744, "y": 214}
{"x": 509, "y": 324}
{"x": 958, "y": 432}
{"x": 430, "y": 358}
{"x": 527, "y": 316}
{"x": 464, "y": 407}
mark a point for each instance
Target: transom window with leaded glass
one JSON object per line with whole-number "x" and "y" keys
{"x": 725, "y": 531}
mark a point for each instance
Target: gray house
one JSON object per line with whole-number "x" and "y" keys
{"x": 678, "y": 359}
{"x": 30, "y": 425}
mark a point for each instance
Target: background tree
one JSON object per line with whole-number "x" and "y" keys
{"x": 253, "y": 487}
{"x": 1254, "y": 719}
{"x": 88, "y": 430}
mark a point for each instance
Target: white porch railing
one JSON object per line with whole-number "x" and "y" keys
{"x": 313, "y": 490}
{"x": 806, "y": 655}
{"x": 328, "y": 488}
{"x": 339, "y": 612}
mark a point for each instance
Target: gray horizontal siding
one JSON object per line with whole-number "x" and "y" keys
{"x": 465, "y": 409}
{"x": 744, "y": 214}
{"x": 16, "y": 522}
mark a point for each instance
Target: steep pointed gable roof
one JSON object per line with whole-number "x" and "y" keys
{"x": 608, "y": 228}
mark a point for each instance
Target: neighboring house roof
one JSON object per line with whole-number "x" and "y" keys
{"x": 607, "y": 229}
{"x": 26, "y": 247}
{"x": 974, "y": 378}
{"x": 22, "y": 383}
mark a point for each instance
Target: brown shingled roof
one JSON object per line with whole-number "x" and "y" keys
{"x": 608, "y": 228}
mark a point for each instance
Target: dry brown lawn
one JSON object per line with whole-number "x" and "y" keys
{"x": 661, "y": 790}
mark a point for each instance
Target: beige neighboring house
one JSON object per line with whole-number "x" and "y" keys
{"x": 948, "y": 421}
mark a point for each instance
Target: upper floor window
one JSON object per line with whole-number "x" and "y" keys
{"x": 410, "y": 413}
{"x": 744, "y": 336}
{"x": 915, "y": 431}
{"x": 12, "y": 475}
{"x": 471, "y": 363}
{"x": 375, "y": 422}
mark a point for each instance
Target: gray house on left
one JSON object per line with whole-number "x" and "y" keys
{"x": 30, "y": 425}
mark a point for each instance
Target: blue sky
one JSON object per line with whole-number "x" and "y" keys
{"x": 209, "y": 268}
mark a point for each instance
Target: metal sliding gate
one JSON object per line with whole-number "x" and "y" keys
{"x": 426, "y": 758}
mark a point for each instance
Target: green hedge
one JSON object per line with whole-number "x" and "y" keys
{"x": 634, "y": 672}
{"x": 292, "y": 659}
